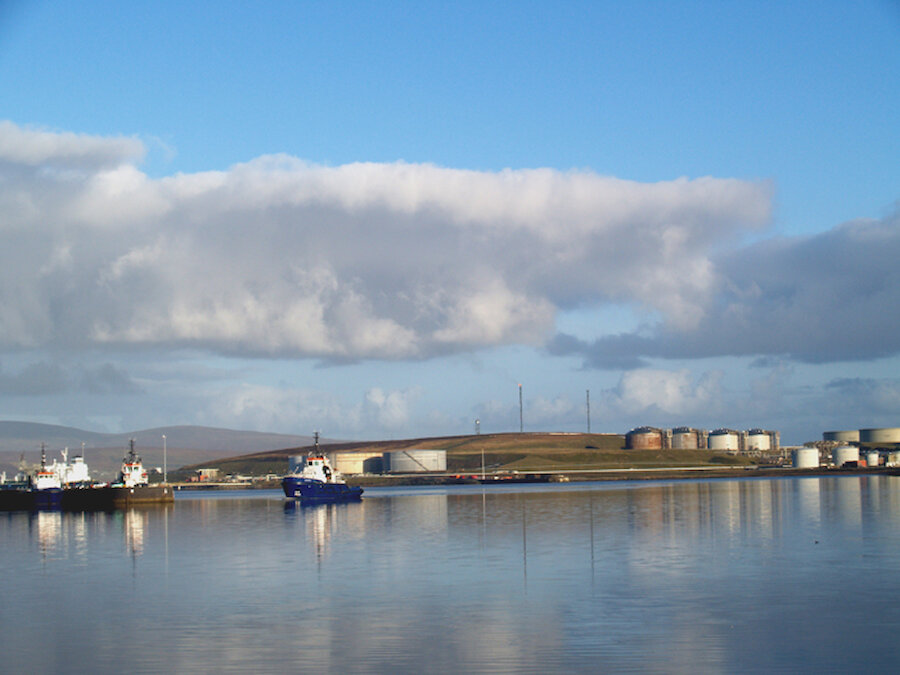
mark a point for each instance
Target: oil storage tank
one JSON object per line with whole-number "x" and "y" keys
{"x": 843, "y": 454}
{"x": 357, "y": 462}
{"x": 415, "y": 461}
{"x": 759, "y": 440}
{"x": 873, "y": 459}
{"x": 883, "y": 435}
{"x": 685, "y": 438}
{"x": 842, "y": 436}
{"x": 644, "y": 438}
{"x": 805, "y": 458}
{"x": 725, "y": 439}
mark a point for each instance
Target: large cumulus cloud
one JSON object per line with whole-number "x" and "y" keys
{"x": 392, "y": 261}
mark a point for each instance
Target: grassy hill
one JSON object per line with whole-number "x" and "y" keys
{"x": 502, "y": 452}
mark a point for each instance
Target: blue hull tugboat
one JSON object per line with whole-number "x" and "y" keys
{"x": 315, "y": 482}
{"x": 37, "y": 491}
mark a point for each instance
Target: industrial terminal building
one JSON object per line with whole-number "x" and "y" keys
{"x": 864, "y": 447}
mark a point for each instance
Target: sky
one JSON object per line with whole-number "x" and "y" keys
{"x": 377, "y": 220}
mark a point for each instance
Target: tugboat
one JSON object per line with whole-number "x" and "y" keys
{"x": 316, "y": 482}
{"x": 132, "y": 473}
{"x": 133, "y": 486}
{"x": 46, "y": 486}
{"x": 40, "y": 490}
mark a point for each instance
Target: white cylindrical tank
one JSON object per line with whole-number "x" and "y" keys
{"x": 805, "y": 458}
{"x": 350, "y": 463}
{"x": 296, "y": 462}
{"x": 843, "y": 454}
{"x": 872, "y": 460}
{"x": 758, "y": 440}
{"x": 883, "y": 435}
{"x": 893, "y": 459}
{"x": 724, "y": 439}
{"x": 415, "y": 461}
{"x": 842, "y": 436}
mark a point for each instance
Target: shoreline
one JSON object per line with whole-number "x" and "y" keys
{"x": 578, "y": 475}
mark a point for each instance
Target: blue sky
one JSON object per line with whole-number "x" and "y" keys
{"x": 377, "y": 220}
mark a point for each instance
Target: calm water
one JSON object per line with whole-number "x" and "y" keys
{"x": 788, "y": 575}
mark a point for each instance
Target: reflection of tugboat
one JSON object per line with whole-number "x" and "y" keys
{"x": 316, "y": 482}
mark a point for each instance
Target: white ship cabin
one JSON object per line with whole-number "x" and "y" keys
{"x": 132, "y": 473}
{"x": 75, "y": 471}
{"x": 318, "y": 468}
{"x": 46, "y": 479}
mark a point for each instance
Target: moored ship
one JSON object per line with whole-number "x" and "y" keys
{"x": 131, "y": 488}
{"x": 68, "y": 485}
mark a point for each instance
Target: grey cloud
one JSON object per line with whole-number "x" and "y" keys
{"x": 45, "y": 378}
{"x": 107, "y": 379}
{"x": 36, "y": 379}
{"x": 615, "y": 352}
{"x": 817, "y": 299}
{"x": 867, "y": 395}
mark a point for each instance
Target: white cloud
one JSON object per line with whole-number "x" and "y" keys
{"x": 390, "y": 410}
{"x": 291, "y": 410}
{"x": 363, "y": 261}
{"x": 52, "y": 149}
{"x": 666, "y": 393}
{"x": 283, "y": 409}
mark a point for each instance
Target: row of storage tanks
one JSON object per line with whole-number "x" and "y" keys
{"x": 886, "y": 435}
{"x": 808, "y": 458}
{"x": 415, "y": 460}
{"x": 686, "y": 438}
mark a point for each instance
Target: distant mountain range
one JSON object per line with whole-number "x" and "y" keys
{"x": 185, "y": 445}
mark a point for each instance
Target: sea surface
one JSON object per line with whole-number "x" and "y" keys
{"x": 699, "y": 576}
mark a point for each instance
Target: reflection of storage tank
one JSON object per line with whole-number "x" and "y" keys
{"x": 415, "y": 461}
{"x": 843, "y": 454}
{"x": 885, "y": 435}
{"x": 872, "y": 460}
{"x": 685, "y": 438}
{"x": 805, "y": 458}
{"x": 842, "y": 436}
{"x": 758, "y": 440}
{"x": 724, "y": 439}
{"x": 644, "y": 438}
